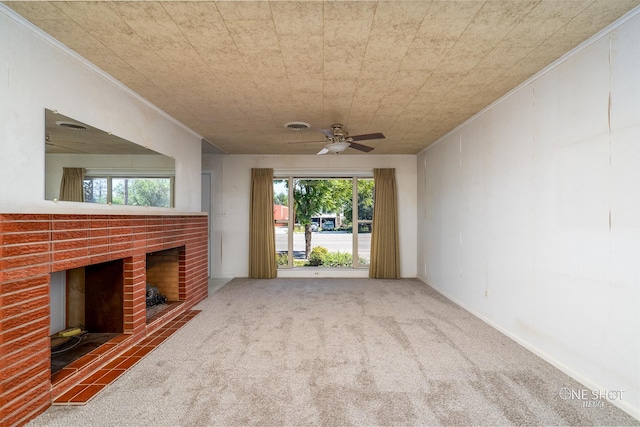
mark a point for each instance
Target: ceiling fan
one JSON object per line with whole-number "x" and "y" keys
{"x": 338, "y": 140}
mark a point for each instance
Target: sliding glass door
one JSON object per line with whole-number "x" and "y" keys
{"x": 323, "y": 222}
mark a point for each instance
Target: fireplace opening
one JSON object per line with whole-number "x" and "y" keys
{"x": 86, "y": 310}
{"x": 163, "y": 276}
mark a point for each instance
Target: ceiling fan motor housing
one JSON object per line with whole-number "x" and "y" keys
{"x": 338, "y": 130}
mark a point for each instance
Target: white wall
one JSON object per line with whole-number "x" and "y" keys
{"x": 529, "y": 214}
{"x": 37, "y": 73}
{"x": 232, "y": 186}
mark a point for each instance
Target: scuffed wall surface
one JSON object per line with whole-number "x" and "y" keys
{"x": 529, "y": 217}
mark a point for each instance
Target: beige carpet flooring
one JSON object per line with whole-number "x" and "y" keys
{"x": 336, "y": 352}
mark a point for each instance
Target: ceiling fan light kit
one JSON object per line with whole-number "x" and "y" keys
{"x": 337, "y": 147}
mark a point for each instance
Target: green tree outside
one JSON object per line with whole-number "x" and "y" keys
{"x": 310, "y": 198}
{"x": 142, "y": 192}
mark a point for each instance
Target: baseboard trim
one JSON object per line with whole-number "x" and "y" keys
{"x": 315, "y": 273}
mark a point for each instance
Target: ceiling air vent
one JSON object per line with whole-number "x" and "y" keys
{"x": 297, "y": 125}
{"x": 70, "y": 125}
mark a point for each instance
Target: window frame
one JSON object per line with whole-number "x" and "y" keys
{"x": 290, "y": 178}
{"x": 110, "y": 176}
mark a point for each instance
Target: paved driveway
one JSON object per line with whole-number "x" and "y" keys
{"x": 332, "y": 240}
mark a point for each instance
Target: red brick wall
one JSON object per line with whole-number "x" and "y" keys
{"x": 34, "y": 245}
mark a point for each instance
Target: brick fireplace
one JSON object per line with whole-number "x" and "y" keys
{"x": 32, "y": 246}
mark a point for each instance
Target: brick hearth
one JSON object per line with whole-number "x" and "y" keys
{"x": 34, "y": 245}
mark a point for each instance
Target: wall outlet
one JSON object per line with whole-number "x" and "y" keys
{"x": 486, "y": 293}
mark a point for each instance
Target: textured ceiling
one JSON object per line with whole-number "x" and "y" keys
{"x": 237, "y": 71}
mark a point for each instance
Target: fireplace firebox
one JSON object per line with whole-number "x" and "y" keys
{"x": 163, "y": 276}
{"x": 93, "y": 311}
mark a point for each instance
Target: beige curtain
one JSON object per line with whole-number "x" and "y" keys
{"x": 262, "y": 240}
{"x": 71, "y": 185}
{"x": 385, "y": 253}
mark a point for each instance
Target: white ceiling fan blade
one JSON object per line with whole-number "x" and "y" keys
{"x": 307, "y": 142}
{"x": 323, "y": 151}
{"x": 327, "y": 133}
